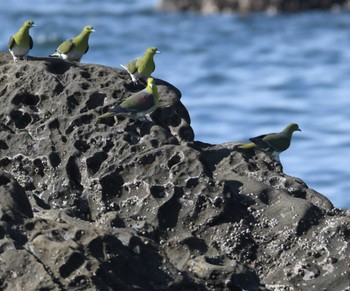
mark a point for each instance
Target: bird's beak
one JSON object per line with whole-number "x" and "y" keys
{"x": 92, "y": 30}
{"x": 299, "y": 129}
{"x": 157, "y": 52}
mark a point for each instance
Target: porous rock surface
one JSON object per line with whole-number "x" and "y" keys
{"x": 125, "y": 205}
{"x": 247, "y": 6}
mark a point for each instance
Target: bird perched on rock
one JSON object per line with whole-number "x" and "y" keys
{"x": 273, "y": 143}
{"x": 21, "y": 43}
{"x": 138, "y": 105}
{"x": 142, "y": 67}
{"x": 74, "y": 48}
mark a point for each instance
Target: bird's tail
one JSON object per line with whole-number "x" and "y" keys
{"x": 249, "y": 145}
{"x": 106, "y": 115}
{"x": 55, "y": 55}
{"x": 124, "y": 67}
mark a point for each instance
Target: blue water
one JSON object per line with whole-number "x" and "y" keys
{"x": 240, "y": 76}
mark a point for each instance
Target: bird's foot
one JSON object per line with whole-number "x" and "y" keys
{"x": 133, "y": 79}
{"x": 146, "y": 119}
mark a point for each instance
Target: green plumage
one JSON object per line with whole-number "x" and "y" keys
{"x": 73, "y": 49}
{"x": 139, "y": 104}
{"x": 273, "y": 143}
{"x": 21, "y": 42}
{"x": 142, "y": 67}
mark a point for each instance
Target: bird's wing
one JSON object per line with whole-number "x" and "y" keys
{"x": 11, "y": 42}
{"x": 259, "y": 141}
{"x": 278, "y": 142}
{"x": 66, "y": 46}
{"x": 141, "y": 101}
{"x": 31, "y": 42}
{"x": 132, "y": 66}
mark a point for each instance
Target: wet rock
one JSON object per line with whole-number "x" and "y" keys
{"x": 124, "y": 205}
{"x": 246, "y": 6}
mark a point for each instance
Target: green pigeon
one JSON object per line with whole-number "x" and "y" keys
{"x": 142, "y": 67}
{"x": 21, "y": 43}
{"x": 273, "y": 143}
{"x": 74, "y": 48}
{"x": 138, "y": 105}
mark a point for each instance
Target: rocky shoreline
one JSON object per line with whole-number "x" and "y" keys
{"x": 124, "y": 205}
{"x": 248, "y": 6}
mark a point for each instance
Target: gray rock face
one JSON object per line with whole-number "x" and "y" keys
{"x": 124, "y": 205}
{"x": 245, "y": 6}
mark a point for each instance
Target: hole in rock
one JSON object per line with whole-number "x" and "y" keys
{"x": 192, "y": 182}
{"x": 105, "y": 85}
{"x": 85, "y": 75}
{"x": 147, "y": 159}
{"x": 108, "y": 146}
{"x": 96, "y": 99}
{"x": 83, "y": 119}
{"x": 154, "y": 142}
{"x": 85, "y": 86}
{"x": 168, "y": 213}
{"x": 5, "y": 162}
{"x": 58, "y": 88}
{"x": 112, "y": 185}
{"x": 58, "y": 66}
{"x": 132, "y": 140}
{"x": 157, "y": 191}
{"x": 21, "y": 119}
{"x": 54, "y": 124}
{"x": 94, "y": 163}
{"x": 214, "y": 261}
{"x": 6, "y": 218}
{"x": 73, "y": 173}
{"x": 81, "y": 145}
{"x": 4, "y": 180}
{"x": 40, "y": 202}
{"x": 25, "y": 99}
{"x": 86, "y": 119}
{"x": 117, "y": 222}
{"x": 55, "y": 159}
{"x": 3, "y": 145}
{"x": 72, "y": 102}
{"x": 175, "y": 159}
{"x": 73, "y": 263}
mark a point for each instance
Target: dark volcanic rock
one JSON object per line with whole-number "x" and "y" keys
{"x": 244, "y": 6}
{"x": 128, "y": 205}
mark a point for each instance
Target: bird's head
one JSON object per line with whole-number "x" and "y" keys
{"x": 89, "y": 29}
{"x": 152, "y": 50}
{"x": 291, "y": 128}
{"x": 28, "y": 23}
{"x": 150, "y": 82}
